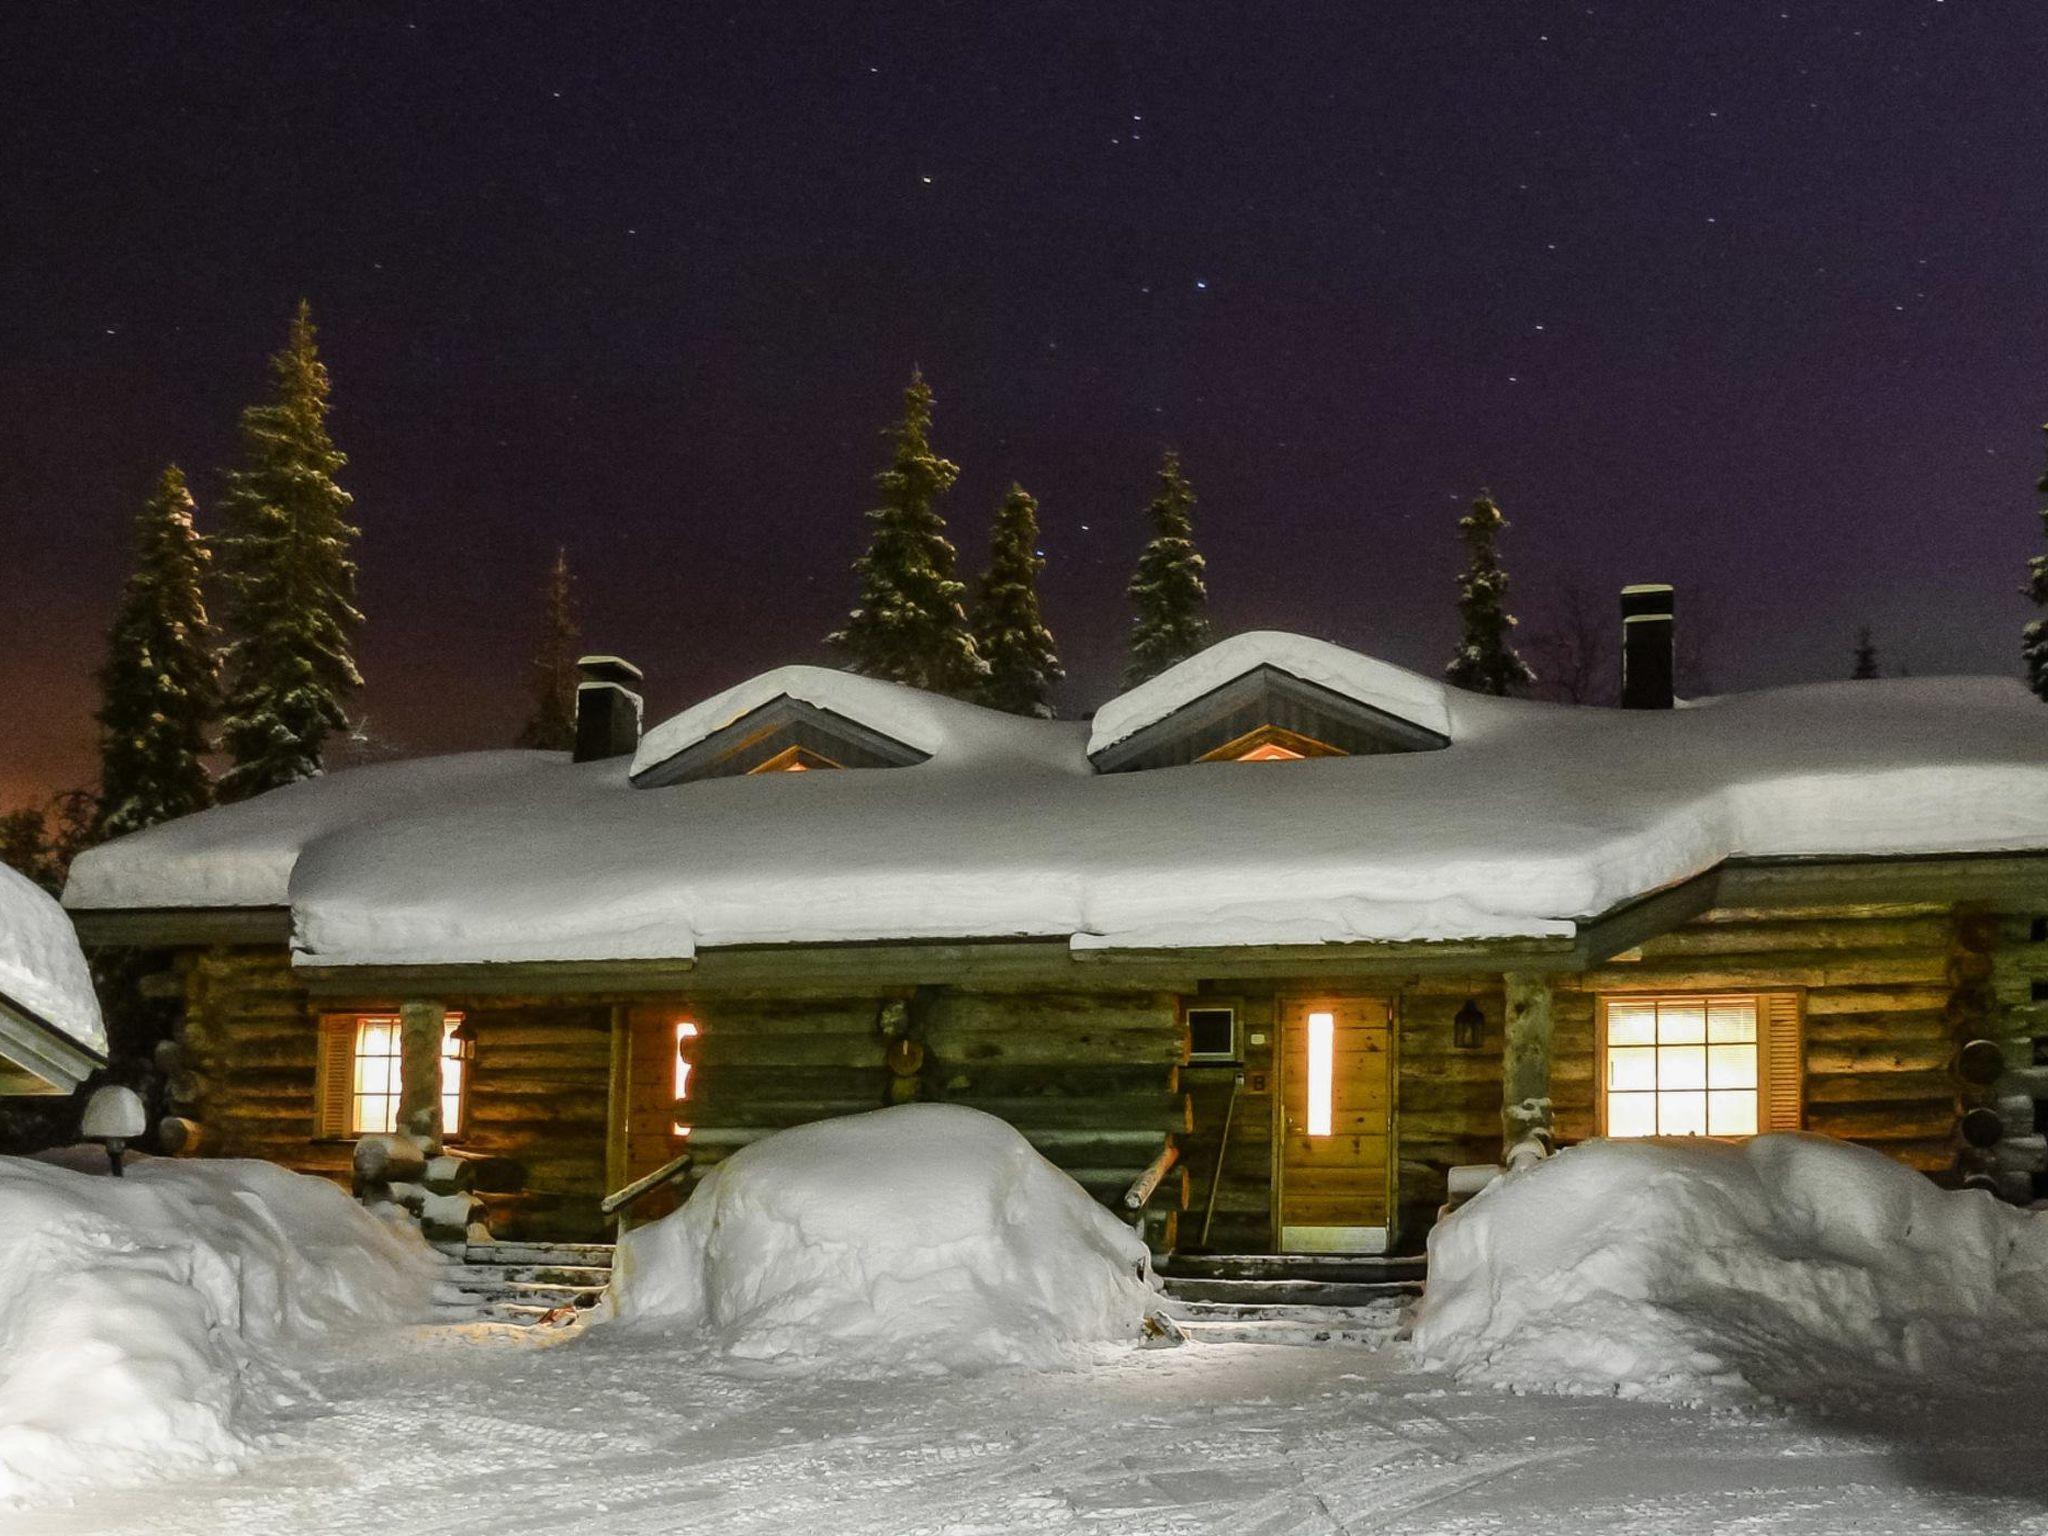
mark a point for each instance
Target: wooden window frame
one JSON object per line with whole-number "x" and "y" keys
{"x": 1300, "y": 746}
{"x": 1780, "y": 1052}
{"x": 334, "y": 1096}
{"x": 795, "y": 759}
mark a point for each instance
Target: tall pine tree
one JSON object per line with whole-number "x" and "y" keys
{"x": 1171, "y": 622}
{"x": 552, "y": 725}
{"x": 1866, "y": 656}
{"x": 909, "y": 625}
{"x": 1009, "y": 633}
{"x": 1486, "y": 661}
{"x": 159, "y": 688}
{"x": 2035, "y": 648}
{"x": 290, "y": 581}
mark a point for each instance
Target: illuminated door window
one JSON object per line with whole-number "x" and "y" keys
{"x": 1682, "y": 1066}
{"x": 685, "y": 1033}
{"x": 1322, "y": 1050}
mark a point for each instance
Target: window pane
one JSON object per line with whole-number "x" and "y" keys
{"x": 1631, "y": 1069}
{"x": 1631, "y": 1023}
{"x": 1632, "y": 1114}
{"x": 1682, "y": 1066}
{"x": 1681, "y": 1114}
{"x": 1731, "y": 1019}
{"x": 1322, "y": 1042}
{"x": 1732, "y": 1112}
{"x": 1731, "y": 1066}
{"x": 1681, "y": 1023}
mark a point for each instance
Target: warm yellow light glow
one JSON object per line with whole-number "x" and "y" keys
{"x": 1322, "y": 1050}
{"x": 1271, "y": 752}
{"x": 375, "y": 1090}
{"x": 685, "y": 1030}
{"x": 1684, "y": 1066}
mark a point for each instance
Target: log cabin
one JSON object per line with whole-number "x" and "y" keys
{"x": 1259, "y": 954}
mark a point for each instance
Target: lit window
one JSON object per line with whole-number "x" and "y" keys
{"x": 685, "y": 1032}
{"x": 1271, "y": 752}
{"x": 1322, "y": 1050}
{"x": 1271, "y": 744}
{"x": 795, "y": 760}
{"x": 1682, "y": 1066}
{"x": 371, "y": 1071}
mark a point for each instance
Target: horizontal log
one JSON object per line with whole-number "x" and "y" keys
{"x": 1071, "y": 1147}
{"x": 1882, "y": 1087}
{"x": 1931, "y": 997}
{"x": 771, "y": 1115}
{"x": 1882, "y": 1122}
{"x": 1876, "y": 1027}
{"x": 1128, "y": 1111}
{"x": 1027, "y": 1047}
{"x": 1685, "y": 974}
{"x": 738, "y": 1085}
{"x": 960, "y": 1080}
{"x": 1880, "y": 1057}
{"x": 719, "y": 1050}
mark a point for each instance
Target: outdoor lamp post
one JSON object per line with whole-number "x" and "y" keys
{"x": 114, "y": 1116}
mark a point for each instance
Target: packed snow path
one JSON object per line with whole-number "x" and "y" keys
{"x": 450, "y": 1432}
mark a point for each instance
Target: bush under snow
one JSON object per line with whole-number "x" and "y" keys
{"x": 140, "y": 1317}
{"x": 1701, "y": 1272}
{"x": 924, "y": 1238}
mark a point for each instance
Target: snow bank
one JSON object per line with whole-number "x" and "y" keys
{"x": 141, "y": 1317}
{"x": 924, "y": 1238}
{"x": 42, "y": 969}
{"x": 1787, "y": 1265}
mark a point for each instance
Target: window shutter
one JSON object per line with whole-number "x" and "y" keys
{"x": 1784, "y": 1063}
{"x": 334, "y": 1093}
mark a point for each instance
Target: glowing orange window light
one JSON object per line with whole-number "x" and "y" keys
{"x": 1271, "y": 752}
{"x": 1322, "y": 1053}
{"x": 685, "y": 1031}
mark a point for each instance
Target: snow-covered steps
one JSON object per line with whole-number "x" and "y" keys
{"x": 1290, "y": 1280}
{"x": 1210, "y": 1322}
{"x": 523, "y": 1283}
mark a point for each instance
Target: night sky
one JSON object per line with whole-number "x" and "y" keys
{"x": 1742, "y": 297}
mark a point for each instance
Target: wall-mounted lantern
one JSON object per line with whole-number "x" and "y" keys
{"x": 1468, "y": 1026}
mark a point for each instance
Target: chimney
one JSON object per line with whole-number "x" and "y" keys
{"x": 607, "y": 708}
{"x": 1646, "y": 647}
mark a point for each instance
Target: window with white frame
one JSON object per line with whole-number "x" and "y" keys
{"x": 359, "y": 1091}
{"x": 1700, "y": 1064}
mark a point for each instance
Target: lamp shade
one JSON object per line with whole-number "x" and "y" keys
{"x": 114, "y": 1113}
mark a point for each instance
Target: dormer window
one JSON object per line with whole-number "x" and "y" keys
{"x": 1271, "y": 744}
{"x": 796, "y": 759}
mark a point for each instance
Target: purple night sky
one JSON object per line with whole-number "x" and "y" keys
{"x": 1742, "y": 297}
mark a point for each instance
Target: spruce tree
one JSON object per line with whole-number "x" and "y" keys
{"x": 1171, "y": 622}
{"x": 909, "y": 625}
{"x": 159, "y": 688}
{"x": 2035, "y": 648}
{"x": 1866, "y": 656}
{"x": 1009, "y": 633}
{"x": 1486, "y": 661}
{"x": 552, "y": 725}
{"x": 290, "y": 581}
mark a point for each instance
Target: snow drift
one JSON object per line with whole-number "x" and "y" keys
{"x": 1711, "y": 1272}
{"x": 140, "y": 1317}
{"x": 924, "y": 1238}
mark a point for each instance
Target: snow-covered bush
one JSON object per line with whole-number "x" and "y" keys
{"x": 928, "y": 1237}
{"x": 1700, "y": 1271}
{"x": 140, "y": 1317}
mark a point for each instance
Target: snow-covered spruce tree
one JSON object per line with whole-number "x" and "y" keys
{"x": 1866, "y": 656}
{"x": 159, "y": 687}
{"x": 1486, "y": 661}
{"x": 909, "y": 625}
{"x": 1009, "y": 632}
{"x": 289, "y": 579}
{"x": 1171, "y": 622}
{"x": 552, "y": 725}
{"x": 2035, "y": 648}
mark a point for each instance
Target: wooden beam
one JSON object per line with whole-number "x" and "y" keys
{"x": 180, "y": 927}
{"x": 1624, "y": 927}
{"x": 618, "y": 1098}
{"x": 2016, "y": 881}
{"x": 1525, "y": 1060}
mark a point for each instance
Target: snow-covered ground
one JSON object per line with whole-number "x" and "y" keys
{"x": 622, "y": 1433}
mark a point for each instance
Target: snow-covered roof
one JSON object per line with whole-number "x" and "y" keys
{"x": 43, "y": 975}
{"x": 1365, "y": 680}
{"x": 1536, "y": 817}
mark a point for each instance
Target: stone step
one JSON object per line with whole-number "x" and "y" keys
{"x": 585, "y": 1275}
{"x": 1306, "y": 1293}
{"x": 1387, "y": 1311}
{"x": 1366, "y": 1333}
{"x": 578, "y": 1255}
{"x": 1293, "y": 1266}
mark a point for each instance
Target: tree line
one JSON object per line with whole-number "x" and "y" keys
{"x": 263, "y": 688}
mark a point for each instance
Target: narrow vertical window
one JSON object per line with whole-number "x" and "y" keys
{"x": 685, "y": 1032}
{"x": 1322, "y": 1049}
{"x": 455, "y": 1054}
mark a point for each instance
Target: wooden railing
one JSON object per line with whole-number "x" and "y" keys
{"x": 1147, "y": 1183}
{"x": 667, "y": 1173}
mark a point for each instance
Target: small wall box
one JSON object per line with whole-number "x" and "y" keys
{"x": 1212, "y": 1034}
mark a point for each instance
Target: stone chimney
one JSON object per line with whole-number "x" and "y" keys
{"x": 607, "y": 708}
{"x": 1647, "y": 653}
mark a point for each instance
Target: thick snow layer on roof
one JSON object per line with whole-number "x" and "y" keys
{"x": 920, "y": 1239}
{"x": 140, "y": 1316}
{"x": 1408, "y": 695}
{"x": 42, "y": 970}
{"x": 1709, "y": 1271}
{"x": 927, "y": 722}
{"x": 1536, "y": 816}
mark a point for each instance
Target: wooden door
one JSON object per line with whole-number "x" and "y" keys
{"x": 657, "y": 1075}
{"x": 1335, "y": 1116}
